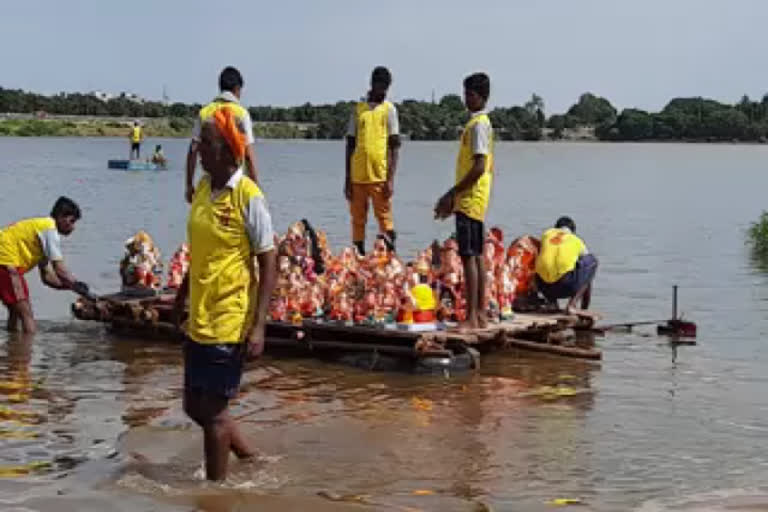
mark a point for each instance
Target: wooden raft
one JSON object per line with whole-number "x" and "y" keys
{"x": 550, "y": 333}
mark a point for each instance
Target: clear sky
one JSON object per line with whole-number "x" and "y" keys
{"x": 636, "y": 53}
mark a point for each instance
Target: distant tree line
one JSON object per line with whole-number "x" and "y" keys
{"x": 697, "y": 119}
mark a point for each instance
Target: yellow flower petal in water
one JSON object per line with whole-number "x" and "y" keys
{"x": 23, "y": 469}
{"x": 423, "y": 492}
{"x": 561, "y": 502}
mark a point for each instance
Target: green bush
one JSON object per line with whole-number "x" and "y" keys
{"x": 757, "y": 238}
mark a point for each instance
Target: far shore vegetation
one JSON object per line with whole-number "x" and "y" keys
{"x": 757, "y": 240}
{"x": 592, "y": 117}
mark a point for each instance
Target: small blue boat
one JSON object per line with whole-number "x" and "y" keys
{"x": 134, "y": 165}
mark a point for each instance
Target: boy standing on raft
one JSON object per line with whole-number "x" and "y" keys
{"x": 468, "y": 199}
{"x": 231, "y": 85}
{"x": 373, "y": 143}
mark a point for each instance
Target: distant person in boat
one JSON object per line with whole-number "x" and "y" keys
{"x": 373, "y": 144}
{"x": 468, "y": 199}
{"x": 32, "y": 243}
{"x": 231, "y": 86}
{"x": 564, "y": 268}
{"x": 229, "y": 224}
{"x": 158, "y": 158}
{"x": 137, "y": 135}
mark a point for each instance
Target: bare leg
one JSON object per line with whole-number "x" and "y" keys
{"x": 470, "y": 292}
{"x": 220, "y": 432}
{"x": 238, "y": 444}
{"x": 482, "y": 312}
{"x": 217, "y": 439}
{"x": 585, "y": 294}
{"x": 22, "y": 310}
{"x": 13, "y": 320}
{"x": 587, "y": 297}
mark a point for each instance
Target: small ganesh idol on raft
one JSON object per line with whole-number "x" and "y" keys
{"x": 178, "y": 267}
{"x": 142, "y": 265}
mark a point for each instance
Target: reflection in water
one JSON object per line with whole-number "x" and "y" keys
{"x": 452, "y": 441}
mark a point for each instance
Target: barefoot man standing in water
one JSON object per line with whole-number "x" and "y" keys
{"x": 229, "y": 224}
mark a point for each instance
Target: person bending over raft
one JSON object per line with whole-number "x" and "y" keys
{"x": 33, "y": 243}
{"x": 564, "y": 267}
{"x": 228, "y": 225}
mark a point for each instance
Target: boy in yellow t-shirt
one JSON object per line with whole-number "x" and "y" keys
{"x": 564, "y": 268}
{"x": 468, "y": 198}
{"x": 31, "y": 243}
{"x": 373, "y": 143}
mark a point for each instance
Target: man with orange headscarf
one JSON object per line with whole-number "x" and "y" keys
{"x": 229, "y": 224}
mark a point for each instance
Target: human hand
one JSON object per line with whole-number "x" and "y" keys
{"x": 389, "y": 188}
{"x": 82, "y": 289}
{"x": 348, "y": 191}
{"x": 444, "y": 206}
{"x": 255, "y": 343}
{"x": 177, "y": 314}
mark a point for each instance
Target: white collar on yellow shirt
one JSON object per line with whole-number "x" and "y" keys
{"x": 227, "y": 96}
{"x": 231, "y": 183}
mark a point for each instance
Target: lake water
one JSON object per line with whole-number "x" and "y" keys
{"x": 651, "y": 428}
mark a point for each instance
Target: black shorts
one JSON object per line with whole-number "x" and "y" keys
{"x": 215, "y": 369}
{"x": 135, "y": 146}
{"x": 469, "y": 235}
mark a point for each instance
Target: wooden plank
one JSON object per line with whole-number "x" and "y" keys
{"x": 559, "y": 350}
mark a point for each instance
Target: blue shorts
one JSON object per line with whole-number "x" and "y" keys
{"x": 214, "y": 369}
{"x": 568, "y": 285}
{"x": 469, "y": 235}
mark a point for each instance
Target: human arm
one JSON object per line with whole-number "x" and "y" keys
{"x": 481, "y": 135}
{"x": 348, "y": 168}
{"x": 191, "y": 164}
{"x": 250, "y": 154}
{"x": 267, "y": 276}
{"x": 55, "y": 275}
{"x": 350, "y": 150}
{"x": 393, "y": 148}
{"x": 180, "y": 302}
{"x": 250, "y": 163}
{"x": 261, "y": 235}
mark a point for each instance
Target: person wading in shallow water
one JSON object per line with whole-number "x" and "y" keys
{"x": 31, "y": 243}
{"x": 229, "y": 224}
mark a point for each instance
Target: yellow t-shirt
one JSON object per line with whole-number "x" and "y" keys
{"x": 26, "y": 243}
{"x": 221, "y": 262}
{"x": 136, "y": 134}
{"x": 369, "y": 161}
{"x": 477, "y": 138}
{"x": 560, "y": 250}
